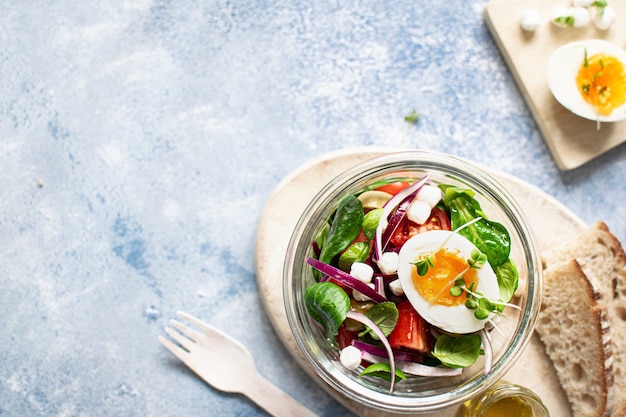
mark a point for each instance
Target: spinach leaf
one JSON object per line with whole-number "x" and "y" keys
{"x": 370, "y": 222}
{"x": 457, "y": 352}
{"x": 327, "y": 304}
{"x": 508, "y": 279}
{"x": 320, "y": 238}
{"x": 384, "y": 315}
{"x": 382, "y": 370}
{"x": 345, "y": 227}
{"x": 491, "y": 238}
{"x": 357, "y": 252}
{"x": 450, "y": 192}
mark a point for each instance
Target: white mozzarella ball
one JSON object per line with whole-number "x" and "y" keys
{"x": 418, "y": 212}
{"x": 388, "y": 263}
{"x": 362, "y": 271}
{"x": 350, "y": 357}
{"x": 396, "y": 287}
{"x": 582, "y": 3}
{"x": 429, "y": 194}
{"x": 558, "y": 16}
{"x": 530, "y": 20}
{"x": 580, "y": 15}
{"x": 604, "y": 20}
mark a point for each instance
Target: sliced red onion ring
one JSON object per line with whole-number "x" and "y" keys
{"x": 400, "y": 355}
{"x": 379, "y": 245}
{"x": 414, "y": 368}
{"x": 346, "y": 279}
{"x": 362, "y": 318}
{"x": 379, "y": 286}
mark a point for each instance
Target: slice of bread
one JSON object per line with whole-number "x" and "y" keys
{"x": 602, "y": 258}
{"x": 574, "y": 329}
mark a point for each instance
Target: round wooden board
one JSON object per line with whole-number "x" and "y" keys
{"x": 550, "y": 221}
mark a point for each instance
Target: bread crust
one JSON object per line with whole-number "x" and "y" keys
{"x": 574, "y": 329}
{"x": 602, "y": 259}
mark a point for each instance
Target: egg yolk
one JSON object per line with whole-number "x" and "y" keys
{"x": 601, "y": 81}
{"x": 434, "y": 286}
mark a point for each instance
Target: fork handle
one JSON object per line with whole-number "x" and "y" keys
{"x": 273, "y": 400}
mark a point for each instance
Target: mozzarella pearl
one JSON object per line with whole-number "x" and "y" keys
{"x": 362, "y": 271}
{"x": 530, "y": 20}
{"x": 388, "y": 263}
{"x": 418, "y": 212}
{"x": 350, "y": 357}
{"x": 429, "y": 194}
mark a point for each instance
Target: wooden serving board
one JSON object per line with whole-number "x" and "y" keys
{"x": 572, "y": 140}
{"x": 550, "y": 220}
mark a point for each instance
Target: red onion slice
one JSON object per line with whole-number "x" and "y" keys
{"x": 346, "y": 279}
{"x": 379, "y": 245}
{"x": 362, "y": 318}
{"x": 414, "y": 368}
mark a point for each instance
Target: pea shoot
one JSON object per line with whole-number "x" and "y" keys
{"x": 412, "y": 117}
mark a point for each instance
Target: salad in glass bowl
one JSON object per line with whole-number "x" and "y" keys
{"x": 412, "y": 282}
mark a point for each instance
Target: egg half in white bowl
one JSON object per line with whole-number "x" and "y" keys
{"x": 589, "y": 79}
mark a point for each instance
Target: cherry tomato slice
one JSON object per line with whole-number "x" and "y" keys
{"x": 393, "y": 188}
{"x": 406, "y": 229}
{"x": 411, "y": 331}
{"x": 344, "y": 336}
{"x": 438, "y": 220}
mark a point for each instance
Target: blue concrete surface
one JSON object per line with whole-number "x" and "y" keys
{"x": 140, "y": 140}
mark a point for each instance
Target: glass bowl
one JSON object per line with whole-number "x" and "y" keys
{"x": 416, "y": 394}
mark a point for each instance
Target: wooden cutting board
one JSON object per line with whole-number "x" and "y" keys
{"x": 551, "y": 221}
{"x": 572, "y": 140}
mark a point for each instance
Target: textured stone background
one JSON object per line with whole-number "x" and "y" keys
{"x": 139, "y": 141}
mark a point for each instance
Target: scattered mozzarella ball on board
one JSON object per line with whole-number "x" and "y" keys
{"x": 530, "y": 20}
{"x": 603, "y": 20}
{"x": 559, "y": 15}
{"x": 350, "y": 357}
{"x": 580, "y": 16}
{"x": 570, "y": 17}
{"x": 582, "y": 3}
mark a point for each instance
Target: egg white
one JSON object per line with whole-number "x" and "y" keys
{"x": 563, "y": 68}
{"x": 456, "y": 319}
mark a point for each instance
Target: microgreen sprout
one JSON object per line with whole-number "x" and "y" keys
{"x": 565, "y": 20}
{"x": 481, "y": 305}
{"x": 412, "y": 117}
{"x": 600, "y": 5}
{"x": 586, "y": 87}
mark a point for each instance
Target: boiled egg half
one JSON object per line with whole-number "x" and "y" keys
{"x": 430, "y": 293}
{"x": 589, "y": 79}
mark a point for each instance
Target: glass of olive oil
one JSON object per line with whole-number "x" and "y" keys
{"x": 505, "y": 400}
